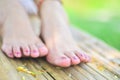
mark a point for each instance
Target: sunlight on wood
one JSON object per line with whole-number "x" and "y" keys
{"x": 25, "y": 70}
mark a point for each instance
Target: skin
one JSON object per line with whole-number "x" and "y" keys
{"x": 63, "y": 50}
{"x": 18, "y": 37}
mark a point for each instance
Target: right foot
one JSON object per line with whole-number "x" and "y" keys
{"x": 63, "y": 50}
{"x": 18, "y": 37}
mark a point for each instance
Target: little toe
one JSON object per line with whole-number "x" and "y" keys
{"x": 7, "y": 50}
{"x": 87, "y": 58}
{"x": 26, "y": 50}
{"x": 74, "y": 59}
{"x": 59, "y": 60}
{"x": 81, "y": 55}
{"x": 43, "y": 50}
{"x": 17, "y": 52}
{"x": 34, "y": 51}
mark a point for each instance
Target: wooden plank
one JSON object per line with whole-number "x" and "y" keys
{"x": 6, "y": 69}
{"x": 99, "y": 62}
{"x": 33, "y": 66}
{"x": 75, "y": 75}
{"x": 93, "y": 72}
{"x": 102, "y": 66}
{"x": 90, "y": 74}
{"x": 90, "y": 46}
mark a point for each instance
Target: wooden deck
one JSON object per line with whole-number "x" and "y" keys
{"x": 105, "y": 64}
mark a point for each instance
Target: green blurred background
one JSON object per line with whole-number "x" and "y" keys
{"x": 100, "y": 18}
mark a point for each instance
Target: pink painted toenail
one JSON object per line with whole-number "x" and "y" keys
{"x": 85, "y": 56}
{"x": 81, "y": 55}
{"x": 11, "y": 54}
{"x": 34, "y": 51}
{"x": 27, "y": 51}
{"x": 63, "y": 57}
{"x": 17, "y": 52}
{"x": 75, "y": 58}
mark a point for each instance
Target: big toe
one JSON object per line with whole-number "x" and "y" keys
{"x": 42, "y": 50}
{"x": 61, "y": 61}
{"x": 7, "y": 49}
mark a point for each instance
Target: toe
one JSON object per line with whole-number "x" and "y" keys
{"x": 42, "y": 50}
{"x": 8, "y": 50}
{"x": 34, "y": 51}
{"x": 74, "y": 59}
{"x": 87, "y": 58}
{"x": 26, "y": 50}
{"x": 83, "y": 56}
{"x": 59, "y": 60}
{"x": 17, "y": 52}
{"x": 64, "y": 61}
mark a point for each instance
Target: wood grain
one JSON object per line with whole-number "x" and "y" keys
{"x": 105, "y": 64}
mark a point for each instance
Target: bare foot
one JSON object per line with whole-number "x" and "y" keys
{"x": 18, "y": 37}
{"x": 63, "y": 51}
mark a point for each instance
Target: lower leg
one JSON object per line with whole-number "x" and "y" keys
{"x": 63, "y": 50}
{"x": 31, "y": 8}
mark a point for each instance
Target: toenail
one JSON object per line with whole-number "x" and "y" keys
{"x": 27, "y": 51}
{"x": 86, "y": 56}
{"x": 75, "y": 58}
{"x": 11, "y": 54}
{"x": 34, "y": 51}
{"x": 17, "y": 52}
{"x": 81, "y": 54}
{"x": 63, "y": 57}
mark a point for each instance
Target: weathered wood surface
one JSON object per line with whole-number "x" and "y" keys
{"x": 105, "y": 64}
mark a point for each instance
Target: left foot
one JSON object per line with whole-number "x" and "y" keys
{"x": 18, "y": 37}
{"x": 63, "y": 50}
